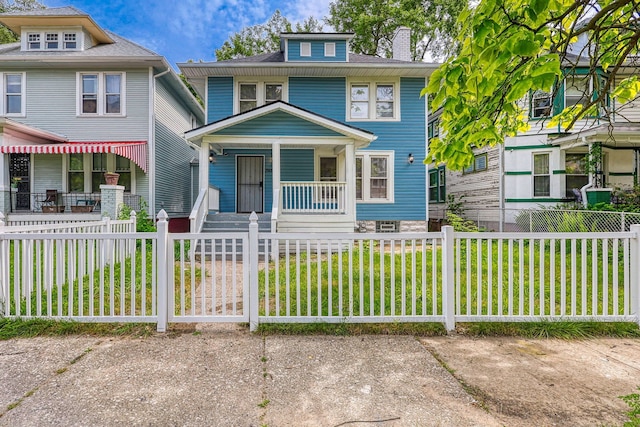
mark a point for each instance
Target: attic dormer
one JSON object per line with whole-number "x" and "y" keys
{"x": 55, "y": 29}
{"x": 315, "y": 47}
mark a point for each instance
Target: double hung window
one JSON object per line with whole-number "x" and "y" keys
{"x": 541, "y": 175}
{"x": 373, "y": 101}
{"x": 255, "y": 94}
{"x": 101, "y": 94}
{"x": 374, "y": 176}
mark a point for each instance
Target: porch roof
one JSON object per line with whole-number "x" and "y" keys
{"x": 27, "y": 139}
{"x": 361, "y": 136}
{"x": 620, "y": 135}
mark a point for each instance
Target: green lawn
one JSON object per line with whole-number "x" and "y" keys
{"x": 542, "y": 276}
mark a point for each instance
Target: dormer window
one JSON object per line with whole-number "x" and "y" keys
{"x": 52, "y": 40}
{"x": 70, "y": 41}
{"x": 33, "y": 41}
{"x": 305, "y": 49}
{"x": 330, "y": 49}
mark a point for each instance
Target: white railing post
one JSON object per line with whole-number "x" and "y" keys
{"x": 448, "y": 285}
{"x": 164, "y": 269}
{"x": 634, "y": 263}
{"x": 622, "y": 223}
{"x": 4, "y": 271}
{"x": 253, "y": 272}
{"x": 132, "y": 229}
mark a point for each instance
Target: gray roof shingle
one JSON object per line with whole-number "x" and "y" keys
{"x": 52, "y": 11}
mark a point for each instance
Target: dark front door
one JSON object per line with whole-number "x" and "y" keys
{"x": 19, "y": 165}
{"x": 250, "y": 197}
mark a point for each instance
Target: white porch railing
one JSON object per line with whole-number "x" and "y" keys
{"x": 313, "y": 197}
{"x": 199, "y": 211}
{"x": 62, "y": 224}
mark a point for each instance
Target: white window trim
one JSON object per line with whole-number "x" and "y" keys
{"x": 60, "y": 31}
{"x": 305, "y": 49}
{"x": 330, "y": 49}
{"x": 372, "y": 99}
{"x": 102, "y": 97}
{"x": 260, "y": 90}
{"x": 87, "y": 164}
{"x": 366, "y": 176}
{"x": 23, "y": 94}
{"x": 534, "y": 175}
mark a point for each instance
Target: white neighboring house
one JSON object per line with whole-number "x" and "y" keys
{"x": 546, "y": 166}
{"x": 78, "y": 101}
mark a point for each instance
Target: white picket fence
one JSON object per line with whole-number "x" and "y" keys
{"x": 258, "y": 277}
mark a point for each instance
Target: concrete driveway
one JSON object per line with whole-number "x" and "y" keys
{"x": 229, "y": 377}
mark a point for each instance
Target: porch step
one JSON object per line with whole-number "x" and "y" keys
{"x": 230, "y": 222}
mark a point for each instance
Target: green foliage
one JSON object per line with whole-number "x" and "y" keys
{"x": 455, "y": 206}
{"x": 191, "y": 89}
{"x": 633, "y": 400}
{"x": 460, "y": 224}
{"x": 144, "y": 223}
{"x": 262, "y": 38}
{"x": 508, "y": 48}
{"x": 433, "y": 25}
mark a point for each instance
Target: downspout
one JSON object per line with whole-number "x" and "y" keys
{"x": 583, "y": 190}
{"x": 501, "y": 188}
{"x": 152, "y": 139}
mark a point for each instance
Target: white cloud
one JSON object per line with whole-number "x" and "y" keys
{"x": 298, "y": 11}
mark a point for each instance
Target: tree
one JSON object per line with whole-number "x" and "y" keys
{"x": 433, "y": 25}
{"x": 262, "y": 38}
{"x": 6, "y": 35}
{"x": 509, "y": 48}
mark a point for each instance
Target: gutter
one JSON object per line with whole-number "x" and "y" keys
{"x": 583, "y": 190}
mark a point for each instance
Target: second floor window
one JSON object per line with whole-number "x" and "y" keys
{"x": 101, "y": 94}
{"x": 372, "y": 101}
{"x": 252, "y": 95}
{"x": 541, "y": 104}
{"x": 14, "y": 95}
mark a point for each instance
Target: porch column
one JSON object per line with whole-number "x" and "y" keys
{"x": 5, "y": 187}
{"x": 350, "y": 171}
{"x": 275, "y": 169}
{"x": 203, "y": 166}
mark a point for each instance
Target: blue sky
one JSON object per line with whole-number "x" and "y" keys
{"x": 188, "y": 29}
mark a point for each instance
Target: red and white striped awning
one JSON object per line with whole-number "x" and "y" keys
{"x": 132, "y": 150}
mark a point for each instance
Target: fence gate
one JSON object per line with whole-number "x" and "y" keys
{"x": 210, "y": 281}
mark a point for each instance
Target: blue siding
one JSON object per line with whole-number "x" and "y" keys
{"x": 325, "y": 96}
{"x": 296, "y": 165}
{"x": 220, "y": 98}
{"x": 406, "y": 136}
{"x": 277, "y": 123}
{"x": 317, "y": 51}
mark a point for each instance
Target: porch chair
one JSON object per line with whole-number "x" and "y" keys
{"x": 51, "y": 197}
{"x": 578, "y": 195}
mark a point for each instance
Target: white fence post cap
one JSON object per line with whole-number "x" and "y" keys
{"x": 253, "y": 217}
{"x": 162, "y": 215}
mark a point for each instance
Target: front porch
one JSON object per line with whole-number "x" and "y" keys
{"x": 606, "y": 157}
{"x": 307, "y": 181}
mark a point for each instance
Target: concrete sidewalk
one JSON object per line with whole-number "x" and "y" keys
{"x": 229, "y": 377}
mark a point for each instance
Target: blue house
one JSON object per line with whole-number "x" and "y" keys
{"x": 316, "y": 137}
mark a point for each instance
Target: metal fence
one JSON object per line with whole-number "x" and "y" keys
{"x": 543, "y": 220}
{"x": 258, "y": 277}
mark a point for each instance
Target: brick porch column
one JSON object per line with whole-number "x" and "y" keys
{"x": 111, "y": 200}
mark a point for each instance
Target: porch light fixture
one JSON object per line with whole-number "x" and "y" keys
{"x": 212, "y": 157}
{"x": 410, "y": 159}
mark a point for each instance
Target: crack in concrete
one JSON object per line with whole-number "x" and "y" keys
{"x": 56, "y": 373}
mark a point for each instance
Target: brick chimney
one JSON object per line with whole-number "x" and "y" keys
{"x": 401, "y": 44}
